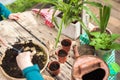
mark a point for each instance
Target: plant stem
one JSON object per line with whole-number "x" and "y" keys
{"x": 59, "y": 33}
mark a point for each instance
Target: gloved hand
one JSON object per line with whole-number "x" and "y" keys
{"x": 24, "y": 60}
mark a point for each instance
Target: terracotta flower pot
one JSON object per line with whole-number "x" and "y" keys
{"x": 66, "y": 44}
{"x": 54, "y": 68}
{"x": 89, "y": 67}
{"x": 62, "y": 55}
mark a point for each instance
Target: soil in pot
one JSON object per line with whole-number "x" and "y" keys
{"x": 54, "y": 68}
{"x": 66, "y": 44}
{"x": 97, "y": 74}
{"x": 9, "y": 63}
{"x": 62, "y": 55}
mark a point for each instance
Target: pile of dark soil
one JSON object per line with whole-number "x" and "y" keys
{"x": 97, "y": 74}
{"x": 9, "y": 63}
{"x": 66, "y": 43}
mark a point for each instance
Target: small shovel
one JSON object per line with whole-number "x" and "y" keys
{"x": 10, "y": 46}
{"x": 4, "y": 43}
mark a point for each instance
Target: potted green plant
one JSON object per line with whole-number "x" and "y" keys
{"x": 102, "y": 21}
{"x": 104, "y": 15}
{"x": 103, "y": 41}
{"x": 71, "y": 10}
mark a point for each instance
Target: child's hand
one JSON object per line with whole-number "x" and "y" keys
{"x": 14, "y": 16}
{"x": 24, "y": 60}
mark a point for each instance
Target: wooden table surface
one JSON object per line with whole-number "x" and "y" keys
{"x": 31, "y": 27}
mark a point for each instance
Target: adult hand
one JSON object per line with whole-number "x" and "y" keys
{"x": 14, "y": 16}
{"x": 24, "y": 60}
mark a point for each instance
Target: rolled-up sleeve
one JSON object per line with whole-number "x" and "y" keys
{"x": 4, "y": 11}
{"x": 32, "y": 73}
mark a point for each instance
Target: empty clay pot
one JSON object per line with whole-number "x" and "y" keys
{"x": 89, "y": 67}
{"x": 62, "y": 55}
{"x": 54, "y": 68}
{"x": 66, "y": 44}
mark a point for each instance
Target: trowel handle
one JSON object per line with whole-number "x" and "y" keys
{"x": 10, "y": 46}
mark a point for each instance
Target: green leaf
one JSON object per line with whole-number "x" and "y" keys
{"x": 114, "y": 36}
{"x": 115, "y": 46}
{"x": 95, "y": 34}
{"x": 104, "y": 17}
{"x": 96, "y": 4}
{"x": 104, "y": 41}
{"x": 115, "y": 67}
{"x": 59, "y": 33}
